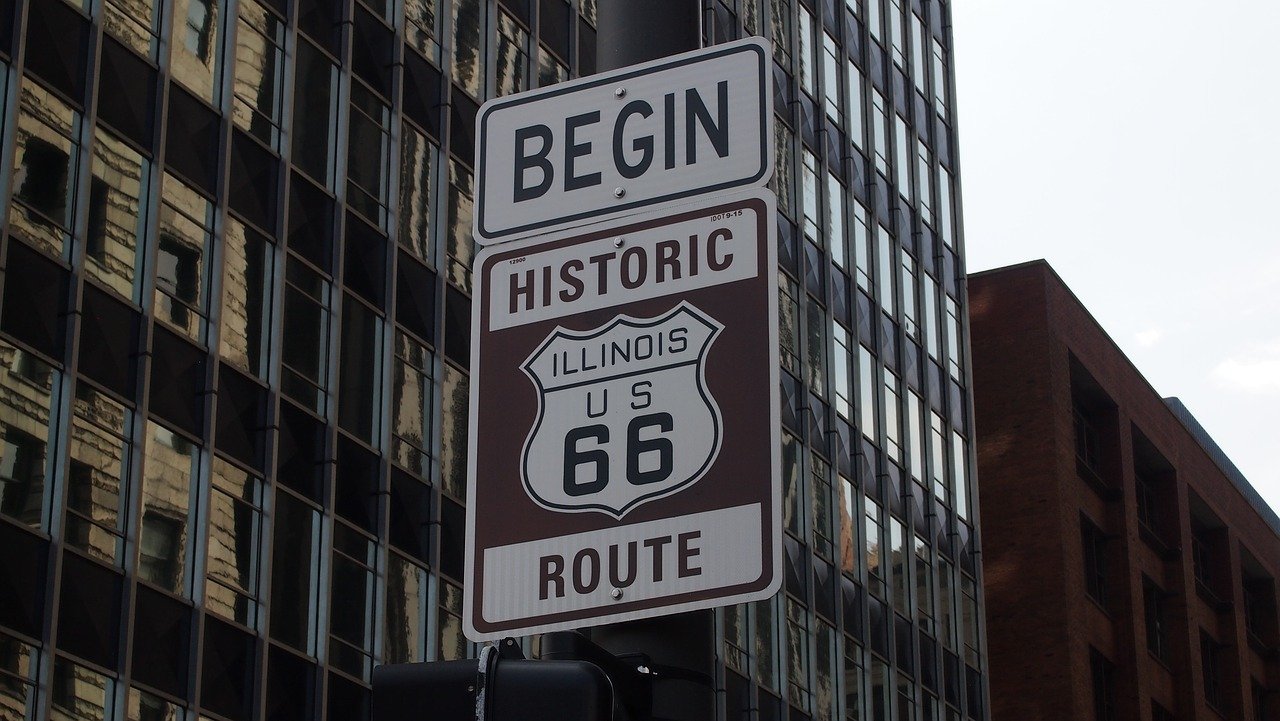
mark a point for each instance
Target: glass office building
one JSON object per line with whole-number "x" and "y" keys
{"x": 234, "y": 335}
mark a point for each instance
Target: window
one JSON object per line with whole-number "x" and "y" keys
{"x": 468, "y": 49}
{"x": 874, "y": 543}
{"x": 938, "y": 458}
{"x": 368, "y": 155}
{"x": 98, "y": 475}
{"x": 897, "y": 37}
{"x": 841, "y": 373}
{"x": 862, "y": 247}
{"x": 924, "y": 171}
{"x": 235, "y": 543}
{"x": 910, "y": 306}
{"x": 1202, "y": 558}
{"x": 306, "y": 355}
{"x": 422, "y": 26}
{"x": 815, "y": 348}
{"x": 295, "y": 571}
{"x": 1102, "y": 672}
{"x": 940, "y": 78}
{"x": 458, "y": 241}
{"x": 924, "y": 584}
{"x": 831, "y": 79}
{"x": 892, "y": 421}
{"x": 820, "y": 507}
{"x": 915, "y": 435}
{"x": 195, "y": 60}
{"x": 360, "y": 366}
{"x": 405, "y": 619}
{"x": 117, "y": 223}
{"x": 315, "y": 100}
{"x": 1211, "y": 669}
{"x": 1088, "y": 445}
{"x": 411, "y": 400}
{"x": 955, "y": 360}
{"x": 813, "y": 220}
{"x": 1147, "y": 503}
{"x": 807, "y": 56}
{"x": 944, "y": 207}
{"x": 867, "y": 395}
{"x": 259, "y": 81}
{"x": 1153, "y": 604}
{"x": 418, "y": 157}
{"x": 788, "y": 323}
{"x": 960, "y": 473}
{"x": 135, "y": 23}
{"x": 856, "y": 127}
{"x": 44, "y": 169}
{"x": 80, "y": 693}
{"x": 898, "y": 565}
{"x": 902, "y": 156}
{"x": 885, "y": 272}
{"x": 186, "y": 238}
{"x": 918, "y": 50}
{"x": 1259, "y": 608}
{"x": 880, "y": 130}
{"x": 27, "y": 387}
{"x": 169, "y": 473}
{"x": 797, "y": 655}
{"x": 248, "y": 265}
{"x": 512, "y": 71}
{"x": 351, "y": 595}
{"x": 848, "y": 530}
{"x": 1095, "y": 560}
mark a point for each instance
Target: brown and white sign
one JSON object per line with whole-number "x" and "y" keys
{"x": 623, "y": 458}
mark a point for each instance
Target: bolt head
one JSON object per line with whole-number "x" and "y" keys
{"x": 619, "y": 192}
{"x": 619, "y": 92}
{"x": 616, "y": 593}
{"x": 618, "y": 242}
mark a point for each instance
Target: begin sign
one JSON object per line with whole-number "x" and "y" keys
{"x": 609, "y": 145}
{"x": 618, "y": 468}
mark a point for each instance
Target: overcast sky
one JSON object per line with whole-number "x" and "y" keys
{"x": 1135, "y": 145}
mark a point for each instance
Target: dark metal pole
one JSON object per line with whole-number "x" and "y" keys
{"x": 634, "y": 31}
{"x": 630, "y": 32}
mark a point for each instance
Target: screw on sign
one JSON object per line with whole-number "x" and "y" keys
{"x": 624, "y": 430}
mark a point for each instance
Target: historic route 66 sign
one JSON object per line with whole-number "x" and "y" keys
{"x": 624, "y": 415}
{"x": 624, "y": 431}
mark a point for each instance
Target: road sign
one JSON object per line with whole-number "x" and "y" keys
{"x": 623, "y": 457}
{"x": 616, "y": 143}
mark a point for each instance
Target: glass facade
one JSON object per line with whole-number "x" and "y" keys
{"x": 234, "y": 347}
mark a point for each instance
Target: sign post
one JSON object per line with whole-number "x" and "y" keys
{"x": 624, "y": 421}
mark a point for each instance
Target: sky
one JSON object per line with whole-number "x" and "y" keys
{"x": 1135, "y": 145}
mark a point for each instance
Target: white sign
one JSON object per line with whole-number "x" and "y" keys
{"x": 609, "y": 145}
{"x": 624, "y": 438}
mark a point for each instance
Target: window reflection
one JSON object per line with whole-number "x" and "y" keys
{"x": 453, "y": 432}
{"x": 259, "y": 72}
{"x": 44, "y": 171}
{"x": 98, "y": 474}
{"x": 170, "y": 467}
{"x": 235, "y": 520}
{"x": 461, "y": 247}
{"x": 248, "y": 263}
{"x": 512, "y": 67}
{"x": 468, "y": 48}
{"x": 422, "y": 26}
{"x": 117, "y": 223}
{"x": 405, "y": 620}
{"x": 550, "y": 70}
{"x": 186, "y": 237}
{"x": 417, "y": 170}
{"x": 411, "y": 402}
{"x": 19, "y": 663}
{"x": 195, "y": 59}
{"x": 27, "y": 387}
{"x": 451, "y": 643}
{"x": 143, "y": 706}
{"x": 79, "y": 694}
{"x": 135, "y": 23}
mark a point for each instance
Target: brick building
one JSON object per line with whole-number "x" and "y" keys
{"x": 1130, "y": 567}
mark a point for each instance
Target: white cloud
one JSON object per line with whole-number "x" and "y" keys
{"x": 1149, "y": 337}
{"x": 1255, "y": 371}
